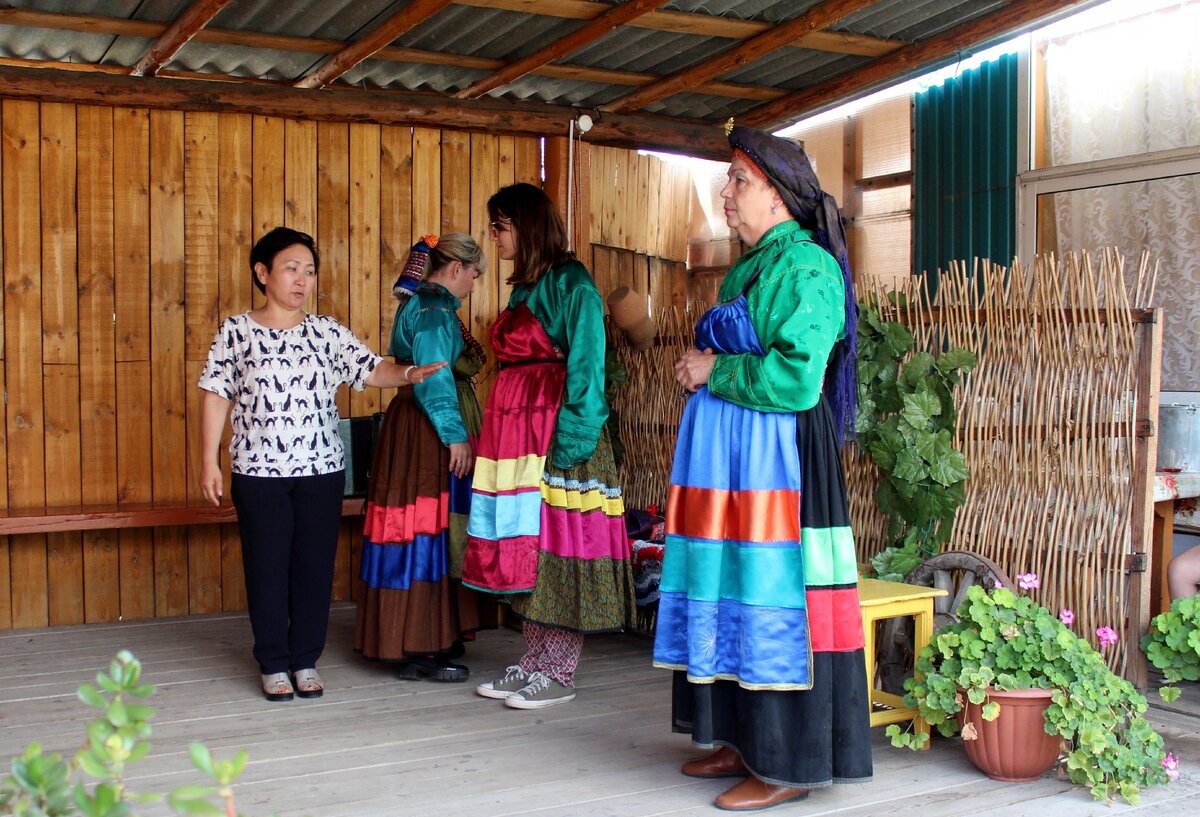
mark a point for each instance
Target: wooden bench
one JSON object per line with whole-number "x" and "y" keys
{"x": 131, "y": 515}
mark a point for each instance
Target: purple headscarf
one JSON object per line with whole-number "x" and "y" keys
{"x": 788, "y": 169}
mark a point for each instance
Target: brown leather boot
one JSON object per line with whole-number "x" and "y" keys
{"x": 724, "y": 762}
{"x": 753, "y": 794}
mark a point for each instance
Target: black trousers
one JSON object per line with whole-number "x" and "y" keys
{"x": 289, "y": 529}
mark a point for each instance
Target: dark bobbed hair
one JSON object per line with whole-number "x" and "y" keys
{"x": 275, "y": 242}
{"x": 541, "y": 235}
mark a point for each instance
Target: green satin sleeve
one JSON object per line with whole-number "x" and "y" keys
{"x": 797, "y": 307}
{"x": 569, "y": 307}
{"x": 426, "y": 330}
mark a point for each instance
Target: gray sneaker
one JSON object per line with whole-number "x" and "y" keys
{"x": 514, "y": 679}
{"x": 541, "y": 691}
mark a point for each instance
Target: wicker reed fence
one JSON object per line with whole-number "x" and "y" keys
{"x": 1055, "y": 424}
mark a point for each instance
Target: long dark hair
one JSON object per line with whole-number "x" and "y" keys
{"x": 541, "y": 235}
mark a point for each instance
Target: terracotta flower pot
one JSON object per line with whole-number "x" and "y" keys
{"x": 1015, "y": 746}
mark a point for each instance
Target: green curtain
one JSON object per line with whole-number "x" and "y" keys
{"x": 965, "y": 168}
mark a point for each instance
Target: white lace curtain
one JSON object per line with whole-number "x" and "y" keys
{"x": 1125, "y": 90}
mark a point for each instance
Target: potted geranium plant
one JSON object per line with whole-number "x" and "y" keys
{"x": 1006, "y": 642}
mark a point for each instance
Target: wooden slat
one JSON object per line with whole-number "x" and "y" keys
{"x": 456, "y": 184}
{"x": 300, "y": 175}
{"x": 64, "y": 552}
{"x": 412, "y": 15}
{"x": 163, "y": 49}
{"x": 485, "y": 176}
{"x": 60, "y": 315}
{"x": 235, "y": 198}
{"x": 599, "y": 26}
{"x": 690, "y": 137}
{"x": 202, "y": 247}
{"x": 23, "y": 353}
{"x": 333, "y": 195}
{"x": 907, "y": 60}
{"x": 395, "y": 204}
{"x": 268, "y": 186}
{"x": 816, "y": 17}
{"x": 97, "y": 350}
{"x": 168, "y": 413}
{"x": 364, "y": 252}
{"x": 5, "y": 562}
{"x": 131, "y": 232}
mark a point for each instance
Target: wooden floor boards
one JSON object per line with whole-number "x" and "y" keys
{"x": 376, "y": 746}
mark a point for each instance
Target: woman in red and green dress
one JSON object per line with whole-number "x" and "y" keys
{"x": 546, "y": 529}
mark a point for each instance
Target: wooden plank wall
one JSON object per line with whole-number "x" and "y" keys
{"x": 638, "y": 225}
{"x": 125, "y": 240}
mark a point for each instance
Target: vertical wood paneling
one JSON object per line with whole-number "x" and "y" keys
{"x": 456, "y": 184}
{"x": 202, "y": 154}
{"x": 168, "y": 407}
{"x": 333, "y": 236}
{"x": 131, "y": 241}
{"x": 131, "y": 234}
{"x": 23, "y": 354}
{"x": 395, "y": 218}
{"x": 60, "y": 310}
{"x": 235, "y": 225}
{"x": 364, "y": 251}
{"x": 269, "y": 184}
{"x": 300, "y": 183}
{"x": 97, "y": 351}
{"x": 485, "y": 176}
{"x": 5, "y": 541}
{"x": 64, "y": 551}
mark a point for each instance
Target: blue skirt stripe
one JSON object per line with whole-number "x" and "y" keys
{"x": 506, "y": 515}
{"x": 756, "y": 645}
{"x": 730, "y": 436}
{"x": 398, "y": 567}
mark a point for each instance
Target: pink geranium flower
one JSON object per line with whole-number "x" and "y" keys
{"x": 1028, "y": 581}
{"x": 1107, "y": 636}
{"x": 997, "y": 583}
{"x": 1067, "y": 617}
{"x": 1170, "y": 765}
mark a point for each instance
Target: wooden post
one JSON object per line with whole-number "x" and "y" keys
{"x": 1141, "y": 523}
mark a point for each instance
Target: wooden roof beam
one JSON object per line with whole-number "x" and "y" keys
{"x": 163, "y": 49}
{"x": 603, "y": 24}
{"x": 689, "y": 22}
{"x": 908, "y": 60}
{"x": 412, "y": 15}
{"x": 817, "y": 17}
{"x": 248, "y": 39}
{"x": 631, "y": 131}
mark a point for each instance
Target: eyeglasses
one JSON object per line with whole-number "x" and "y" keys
{"x": 500, "y": 226}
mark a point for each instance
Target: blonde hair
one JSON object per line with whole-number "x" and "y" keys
{"x": 453, "y": 247}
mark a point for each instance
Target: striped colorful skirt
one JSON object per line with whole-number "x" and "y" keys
{"x": 552, "y": 541}
{"x": 758, "y": 608}
{"x": 410, "y": 599}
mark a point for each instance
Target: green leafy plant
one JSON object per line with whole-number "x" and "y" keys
{"x": 905, "y": 423}
{"x": 1173, "y": 644}
{"x": 43, "y": 785}
{"x": 1005, "y": 641}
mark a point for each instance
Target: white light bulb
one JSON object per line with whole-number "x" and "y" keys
{"x": 585, "y": 123}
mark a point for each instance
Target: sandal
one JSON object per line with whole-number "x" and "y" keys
{"x": 277, "y": 687}
{"x": 308, "y": 683}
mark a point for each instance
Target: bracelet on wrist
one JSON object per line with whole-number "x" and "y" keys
{"x": 406, "y": 373}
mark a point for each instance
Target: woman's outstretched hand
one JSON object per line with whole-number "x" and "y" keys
{"x": 694, "y": 368}
{"x": 418, "y": 374}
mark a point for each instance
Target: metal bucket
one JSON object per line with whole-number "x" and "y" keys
{"x": 1179, "y": 437}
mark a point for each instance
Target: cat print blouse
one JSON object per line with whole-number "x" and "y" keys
{"x": 282, "y": 384}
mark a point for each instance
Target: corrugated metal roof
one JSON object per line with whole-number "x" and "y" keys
{"x": 467, "y": 29}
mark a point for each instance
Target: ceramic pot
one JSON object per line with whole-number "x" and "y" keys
{"x": 1015, "y": 746}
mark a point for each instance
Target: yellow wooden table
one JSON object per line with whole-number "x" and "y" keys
{"x": 880, "y": 600}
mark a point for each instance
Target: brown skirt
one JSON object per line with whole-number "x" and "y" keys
{"x": 409, "y": 603}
